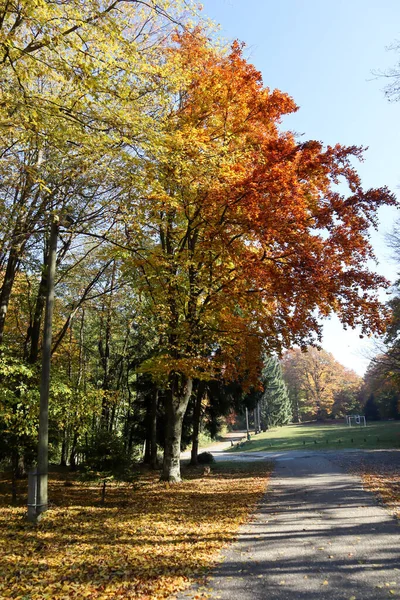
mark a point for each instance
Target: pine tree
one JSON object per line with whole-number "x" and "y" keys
{"x": 371, "y": 409}
{"x": 275, "y": 403}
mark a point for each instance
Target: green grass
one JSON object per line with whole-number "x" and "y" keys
{"x": 325, "y": 437}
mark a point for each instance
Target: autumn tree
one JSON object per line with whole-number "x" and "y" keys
{"x": 347, "y": 396}
{"x": 78, "y": 96}
{"x": 380, "y": 390}
{"x": 321, "y": 384}
{"x": 247, "y": 239}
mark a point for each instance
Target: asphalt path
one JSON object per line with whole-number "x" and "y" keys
{"x": 317, "y": 534}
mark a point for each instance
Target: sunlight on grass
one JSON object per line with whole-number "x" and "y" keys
{"x": 325, "y": 437}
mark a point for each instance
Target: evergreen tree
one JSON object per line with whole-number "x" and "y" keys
{"x": 371, "y": 409}
{"x": 276, "y": 407}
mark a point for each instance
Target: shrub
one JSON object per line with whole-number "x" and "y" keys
{"x": 106, "y": 453}
{"x": 205, "y": 458}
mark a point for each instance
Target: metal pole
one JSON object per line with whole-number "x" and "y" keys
{"x": 43, "y": 447}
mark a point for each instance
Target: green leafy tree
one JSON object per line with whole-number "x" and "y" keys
{"x": 18, "y": 414}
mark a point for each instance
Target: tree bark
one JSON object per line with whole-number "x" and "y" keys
{"x": 153, "y": 429}
{"x": 196, "y": 422}
{"x": 72, "y": 456}
{"x": 6, "y": 288}
{"x": 176, "y": 404}
{"x": 147, "y": 448}
{"x": 104, "y": 350}
{"x": 64, "y": 452}
{"x": 34, "y": 329}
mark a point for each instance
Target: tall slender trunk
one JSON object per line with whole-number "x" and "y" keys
{"x": 201, "y": 387}
{"x": 34, "y": 328}
{"x": 128, "y": 433}
{"x": 176, "y": 403}
{"x": 14, "y": 475}
{"x": 153, "y": 429}
{"x": 5, "y": 293}
{"x": 104, "y": 349}
{"x": 72, "y": 456}
{"x": 146, "y": 448}
{"x": 296, "y": 407}
{"x": 150, "y": 448}
{"x": 64, "y": 450}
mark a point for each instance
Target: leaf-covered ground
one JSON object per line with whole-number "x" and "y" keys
{"x": 147, "y": 541}
{"x": 387, "y": 485}
{"x": 380, "y": 472}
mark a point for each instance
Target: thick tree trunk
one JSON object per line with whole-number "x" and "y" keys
{"x": 196, "y": 422}
{"x": 176, "y": 404}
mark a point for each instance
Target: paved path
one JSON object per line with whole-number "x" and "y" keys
{"x": 219, "y": 447}
{"x": 316, "y": 535}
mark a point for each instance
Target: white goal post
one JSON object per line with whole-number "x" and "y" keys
{"x": 353, "y": 420}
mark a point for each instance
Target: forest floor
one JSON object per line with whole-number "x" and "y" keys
{"x": 147, "y": 540}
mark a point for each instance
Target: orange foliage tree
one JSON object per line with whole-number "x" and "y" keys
{"x": 318, "y": 385}
{"x": 246, "y": 238}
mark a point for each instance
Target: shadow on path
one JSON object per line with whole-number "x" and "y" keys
{"x": 316, "y": 535}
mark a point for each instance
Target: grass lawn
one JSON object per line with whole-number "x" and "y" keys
{"x": 147, "y": 541}
{"x": 326, "y": 437}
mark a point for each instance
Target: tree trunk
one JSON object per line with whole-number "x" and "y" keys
{"x": 6, "y": 288}
{"x": 196, "y": 422}
{"x": 13, "y": 482}
{"x": 34, "y": 329}
{"x": 72, "y": 456}
{"x": 104, "y": 350}
{"x": 18, "y": 471}
{"x": 176, "y": 403}
{"x": 296, "y": 407}
{"x": 64, "y": 450}
{"x": 153, "y": 429}
{"x": 146, "y": 449}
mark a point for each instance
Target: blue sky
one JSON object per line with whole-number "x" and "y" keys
{"x": 323, "y": 53}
